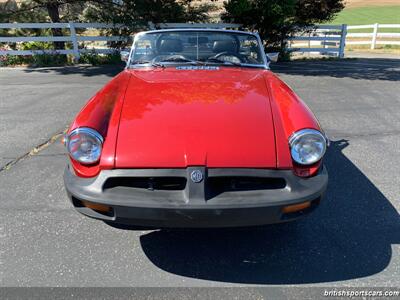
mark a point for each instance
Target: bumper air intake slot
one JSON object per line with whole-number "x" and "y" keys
{"x": 146, "y": 183}
{"x": 219, "y": 185}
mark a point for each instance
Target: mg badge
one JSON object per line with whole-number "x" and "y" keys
{"x": 196, "y": 176}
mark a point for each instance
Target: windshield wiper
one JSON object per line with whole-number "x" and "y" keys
{"x": 225, "y": 62}
{"x": 144, "y": 62}
{"x": 184, "y": 60}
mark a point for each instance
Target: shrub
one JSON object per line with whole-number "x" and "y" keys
{"x": 51, "y": 60}
{"x": 96, "y": 59}
{"x": 14, "y": 60}
{"x": 36, "y": 46}
{"x": 48, "y": 60}
{"x": 37, "y": 60}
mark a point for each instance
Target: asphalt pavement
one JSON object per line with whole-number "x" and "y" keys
{"x": 351, "y": 240}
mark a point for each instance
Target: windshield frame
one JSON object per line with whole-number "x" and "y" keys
{"x": 264, "y": 65}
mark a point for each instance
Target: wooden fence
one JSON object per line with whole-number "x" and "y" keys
{"x": 72, "y": 37}
{"x": 375, "y": 37}
{"x": 323, "y": 39}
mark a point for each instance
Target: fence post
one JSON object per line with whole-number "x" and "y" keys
{"x": 374, "y": 36}
{"x": 74, "y": 41}
{"x": 342, "y": 40}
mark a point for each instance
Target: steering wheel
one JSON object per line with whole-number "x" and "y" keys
{"x": 227, "y": 53}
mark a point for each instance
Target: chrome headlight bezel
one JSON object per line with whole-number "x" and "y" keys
{"x": 94, "y": 137}
{"x": 302, "y": 134}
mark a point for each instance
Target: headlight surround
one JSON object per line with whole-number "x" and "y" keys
{"x": 85, "y": 145}
{"x": 307, "y": 146}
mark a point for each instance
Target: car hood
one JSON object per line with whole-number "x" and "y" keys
{"x": 175, "y": 118}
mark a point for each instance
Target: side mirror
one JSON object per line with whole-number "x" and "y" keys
{"x": 124, "y": 55}
{"x": 273, "y": 57}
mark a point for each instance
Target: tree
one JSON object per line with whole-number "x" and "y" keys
{"x": 276, "y": 20}
{"x": 34, "y": 11}
{"x": 138, "y": 14}
{"x": 134, "y": 14}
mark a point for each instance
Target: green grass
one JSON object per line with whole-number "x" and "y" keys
{"x": 370, "y": 15}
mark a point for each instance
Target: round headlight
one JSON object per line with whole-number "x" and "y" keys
{"x": 85, "y": 145}
{"x": 307, "y": 146}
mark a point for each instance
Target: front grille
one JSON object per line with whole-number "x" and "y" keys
{"x": 219, "y": 185}
{"x": 177, "y": 185}
{"x": 149, "y": 183}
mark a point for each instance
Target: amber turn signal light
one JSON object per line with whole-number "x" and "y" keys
{"x": 96, "y": 206}
{"x": 296, "y": 207}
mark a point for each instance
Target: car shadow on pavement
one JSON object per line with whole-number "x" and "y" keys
{"x": 87, "y": 71}
{"x": 349, "y": 236}
{"x": 363, "y": 68}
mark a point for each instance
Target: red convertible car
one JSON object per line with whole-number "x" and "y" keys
{"x": 196, "y": 132}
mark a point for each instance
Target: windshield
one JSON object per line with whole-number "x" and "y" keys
{"x": 196, "y": 47}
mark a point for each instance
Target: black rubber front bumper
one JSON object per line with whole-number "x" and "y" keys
{"x": 224, "y": 197}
